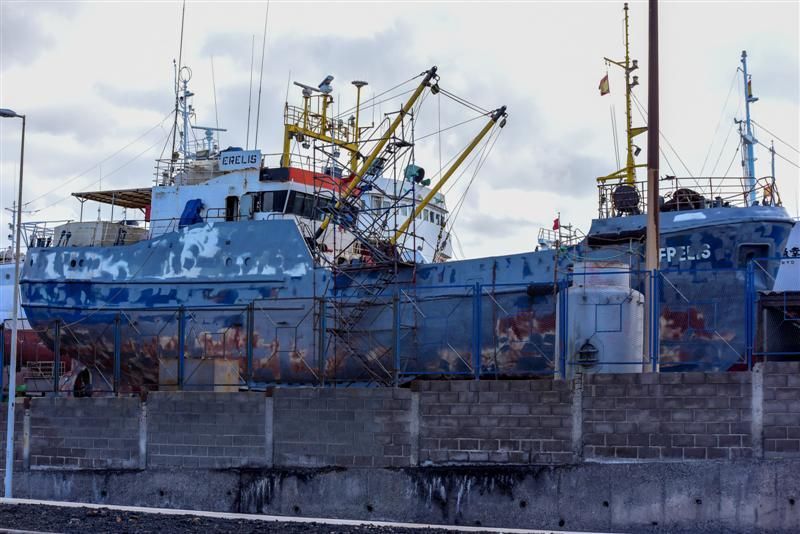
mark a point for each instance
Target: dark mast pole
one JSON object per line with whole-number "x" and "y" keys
{"x": 652, "y": 244}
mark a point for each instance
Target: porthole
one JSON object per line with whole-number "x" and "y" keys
{"x": 246, "y": 262}
{"x": 73, "y": 263}
{"x": 228, "y": 262}
{"x": 80, "y": 262}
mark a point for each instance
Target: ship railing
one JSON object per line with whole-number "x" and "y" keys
{"x": 41, "y": 233}
{"x": 337, "y": 129}
{"x": 563, "y": 237}
{"x": 681, "y": 193}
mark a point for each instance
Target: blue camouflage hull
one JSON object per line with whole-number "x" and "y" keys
{"x": 250, "y": 292}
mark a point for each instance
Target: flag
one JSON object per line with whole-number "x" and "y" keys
{"x": 556, "y": 223}
{"x": 604, "y": 90}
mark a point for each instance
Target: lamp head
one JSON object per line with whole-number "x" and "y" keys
{"x": 8, "y": 113}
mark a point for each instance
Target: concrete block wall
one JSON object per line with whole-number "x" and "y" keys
{"x": 626, "y": 417}
{"x": 208, "y": 430}
{"x": 101, "y": 433}
{"x": 495, "y": 422}
{"x": 343, "y": 427}
{"x": 667, "y": 416}
{"x": 781, "y": 410}
{"x": 19, "y": 431}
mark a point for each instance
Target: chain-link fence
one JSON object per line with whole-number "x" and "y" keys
{"x": 703, "y": 319}
{"x": 590, "y": 320}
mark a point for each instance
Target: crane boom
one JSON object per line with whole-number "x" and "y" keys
{"x": 429, "y": 75}
{"x": 495, "y": 116}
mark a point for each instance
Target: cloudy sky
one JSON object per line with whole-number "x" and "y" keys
{"x": 95, "y": 81}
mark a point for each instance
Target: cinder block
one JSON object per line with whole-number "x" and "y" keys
{"x": 617, "y": 440}
{"x": 649, "y": 453}
{"x": 694, "y": 453}
{"x": 478, "y": 456}
{"x": 706, "y": 440}
{"x": 626, "y": 452}
{"x": 693, "y": 378}
{"x": 599, "y": 452}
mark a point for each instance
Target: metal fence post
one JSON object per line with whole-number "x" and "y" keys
{"x": 749, "y": 320}
{"x": 396, "y": 334}
{"x": 250, "y": 340}
{"x": 561, "y": 333}
{"x": 477, "y": 305}
{"x": 322, "y": 342}
{"x": 56, "y": 355}
{"x": 117, "y": 352}
{"x": 2, "y": 358}
{"x": 655, "y": 318}
{"x": 181, "y": 344}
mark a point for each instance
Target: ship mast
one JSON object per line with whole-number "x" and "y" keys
{"x": 628, "y": 172}
{"x": 748, "y": 140}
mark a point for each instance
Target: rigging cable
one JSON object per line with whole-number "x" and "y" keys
{"x": 732, "y": 160}
{"x": 484, "y": 156}
{"x": 464, "y": 102}
{"x": 719, "y": 122}
{"x": 261, "y": 76}
{"x": 660, "y": 149}
{"x": 177, "y": 78}
{"x": 214, "y": 86}
{"x": 784, "y": 158}
{"x": 250, "y": 93}
{"x": 62, "y": 184}
{"x": 775, "y": 136}
{"x": 379, "y": 95}
{"x": 722, "y": 149}
{"x": 664, "y": 137}
{"x": 439, "y": 131}
{"x": 137, "y": 156}
{"x": 614, "y": 135}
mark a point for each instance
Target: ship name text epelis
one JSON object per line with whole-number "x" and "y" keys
{"x": 685, "y": 253}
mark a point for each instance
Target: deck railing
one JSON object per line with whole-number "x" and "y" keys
{"x": 678, "y": 194}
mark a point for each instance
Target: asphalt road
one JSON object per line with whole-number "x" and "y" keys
{"x": 46, "y": 518}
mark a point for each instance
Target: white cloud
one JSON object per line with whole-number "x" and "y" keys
{"x": 93, "y": 77}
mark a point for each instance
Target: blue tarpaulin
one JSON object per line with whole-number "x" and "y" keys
{"x": 191, "y": 213}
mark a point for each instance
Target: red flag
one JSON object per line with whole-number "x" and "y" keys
{"x": 556, "y": 223}
{"x": 604, "y": 89}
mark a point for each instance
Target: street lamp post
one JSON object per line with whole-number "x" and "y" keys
{"x": 12, "y": 370}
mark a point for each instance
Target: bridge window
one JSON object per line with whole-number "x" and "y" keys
{"x": 308, "y": 206}
{"x": 273, "y": 201}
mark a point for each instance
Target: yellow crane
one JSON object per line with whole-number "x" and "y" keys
{"x": 359, "y": 176}
{"x": 493, "y": 118}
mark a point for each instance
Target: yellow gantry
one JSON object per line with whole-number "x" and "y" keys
{"x": 315, "y": 126}
{"x": 628, "y": 171}
{"x": 495, "y": 116}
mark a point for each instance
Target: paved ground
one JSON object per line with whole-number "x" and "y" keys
{"x": 37, "y": 518}
{"x": 51, "y": 519}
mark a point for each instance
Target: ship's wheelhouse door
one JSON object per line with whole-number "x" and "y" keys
{"x": 231, "y": 208}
